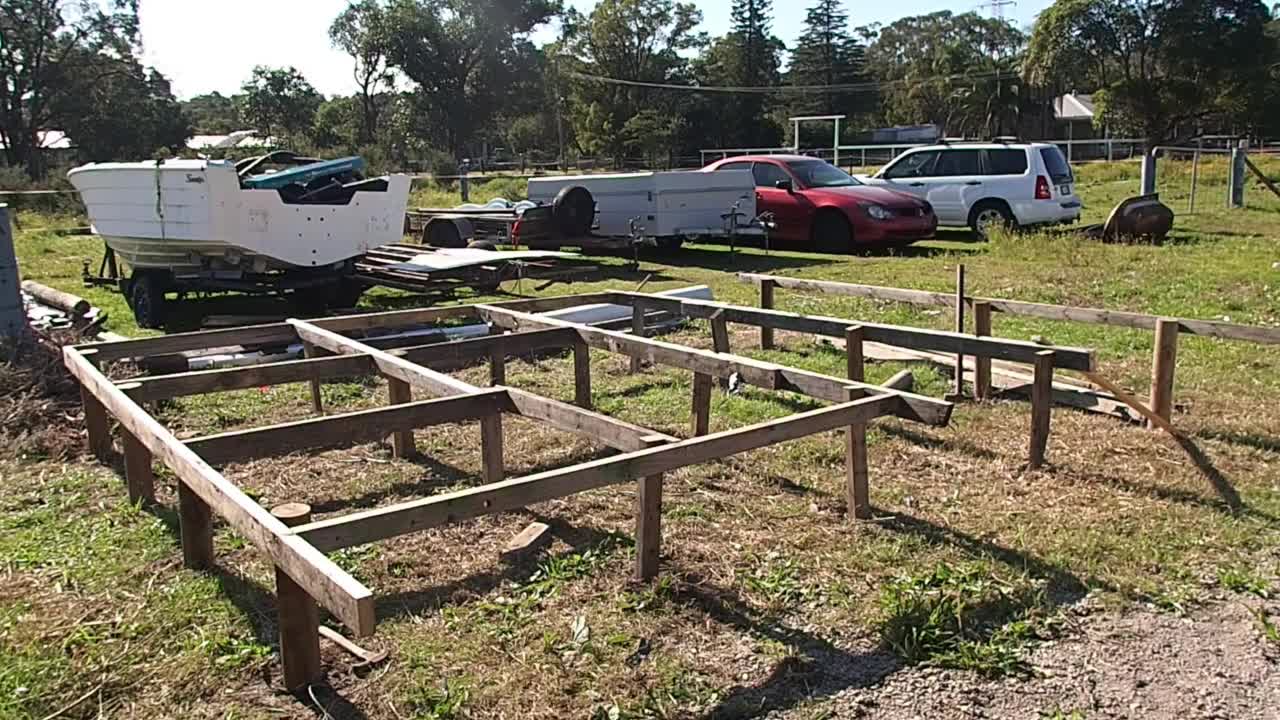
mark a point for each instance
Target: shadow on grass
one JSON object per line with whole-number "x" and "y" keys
{"x": 1253, "y": 440}
{"x": 414, "y": 602}
{"x": 916, "y": 437}
{"x": 258, "y": 606}
{"x": 817, "y": 667}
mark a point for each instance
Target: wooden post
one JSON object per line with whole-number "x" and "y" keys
{"x": 195, "y": 525}
{"x": 701, "y": 404}
{"x": 1164, "y": 357}
{"x": 96, "y": 423}
{"x": 648, "y": 521}
{"x": 637, "y": 329}
{"x": 766, "y": 303}
{"x": 982, "y": 363}
{"x": 299, "y": 616}
{"x": 720, "y": 339}
{"x": 958, "y": 390}
{"x": 1041, "y": 403}
{"x": 497, "y": 366}
{"x": 309, "y": 350}
{"x": 853, "y": 351}
{"x": 491, "y": 447}
{"x": 857, "y": 494}
{"x": 400, "y": 392}
{"x": 137, "y": 470}
{"x": 582, "y": 374}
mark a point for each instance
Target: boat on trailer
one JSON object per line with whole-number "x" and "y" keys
{"x": 268, "y": 224}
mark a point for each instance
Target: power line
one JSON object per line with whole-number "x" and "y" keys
{"x": 778, "y": 89}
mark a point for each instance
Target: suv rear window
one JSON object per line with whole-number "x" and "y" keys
{"x": 1056, "y": 165}
{"x": 1006, "y": 162}
{"x": 952, "y": 163}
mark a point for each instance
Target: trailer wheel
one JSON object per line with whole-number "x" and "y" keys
{"x": 574, "y": 211}
{"x": 348, "y": 292}
{"x": 670, "y": 244}
{"x": 443, "y": 234}
{"x": 481, "y": 245}
{"x": 146, "y": 296}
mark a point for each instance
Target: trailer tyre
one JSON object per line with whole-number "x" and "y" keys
{"x": 146, "y": 296}
{"x": 574, "y": 211}
{"x": 832, "y": 232}
{"x": 443, "y": 233}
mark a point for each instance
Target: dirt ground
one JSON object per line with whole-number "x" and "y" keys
{"x": 1207, "y": 665}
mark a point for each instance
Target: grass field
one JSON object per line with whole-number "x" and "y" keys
{"x": 769, "y": 600}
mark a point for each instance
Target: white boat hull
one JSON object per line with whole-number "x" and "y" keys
{"x": 192, "y": 215}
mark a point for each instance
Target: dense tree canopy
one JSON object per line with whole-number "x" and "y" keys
{"x": 1158, "y": 68}
{"x": 438, "y": 80}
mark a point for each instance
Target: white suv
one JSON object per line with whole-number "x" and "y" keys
{"x": 981, "y": 185}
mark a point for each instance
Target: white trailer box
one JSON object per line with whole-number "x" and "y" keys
{"x": 664, "y": 204}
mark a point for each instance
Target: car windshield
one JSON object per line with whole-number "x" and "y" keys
{"x": 818, "y": 173}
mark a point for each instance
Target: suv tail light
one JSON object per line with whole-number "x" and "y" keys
{"x": 1042, "y": 188}
{"x": 515, "y": 234}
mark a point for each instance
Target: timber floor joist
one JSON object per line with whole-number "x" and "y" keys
{"x": 341, "y": 347}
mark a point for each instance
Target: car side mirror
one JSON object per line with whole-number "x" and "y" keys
{"x": 784, "y": 185}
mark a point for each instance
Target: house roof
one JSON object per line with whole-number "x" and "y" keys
{"x": 239, "y": 138}
{"x": 1072, "y": 106}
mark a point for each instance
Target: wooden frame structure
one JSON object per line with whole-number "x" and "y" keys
{"x": 1158, "y": 411}
{"x": 348, "y": 346}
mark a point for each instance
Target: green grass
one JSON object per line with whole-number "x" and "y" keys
{"x": 763, "y": 580}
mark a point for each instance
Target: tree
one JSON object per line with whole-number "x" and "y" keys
{"x": 339, "y": 124}
{"x": 361, "y": 32}
{"x": 827, "y": 54}
{"x": 462, "y": 55}
{"x": 280, "y": 100}
{"x": 748, "y": 56}
{"x": 125, "y": 115}
{"x": 43, "y": 43}
{"x": 956, "y": 71}
{"x": 215, "y": 113}
{"x": 629, "y": 41}
{"x": 1158, "y": 69}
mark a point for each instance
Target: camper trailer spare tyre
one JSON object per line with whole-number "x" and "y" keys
{"x": 574, "y": 211}
{"x": 146, "y": 297}
{"x": 447, "y": 232}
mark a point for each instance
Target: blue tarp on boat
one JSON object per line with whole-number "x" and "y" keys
{"x": 303, "y": 174}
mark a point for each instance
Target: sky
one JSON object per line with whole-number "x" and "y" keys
{"x": 176, "y": 35}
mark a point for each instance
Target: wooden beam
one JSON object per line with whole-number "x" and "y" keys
{"x": 452, "y": 353}
{"x": 270, "y": 334}
{"x": 609, "y": 431}
{"x": 1044, "y": 311}
{"x": 1163, "y": 361}
{"x": 701, "y": 409}
{"x": 137, "y": 470}
{"x": 491, "y": 453}
{"x": 195, "y": 525}
{"x": 1133, "y": 402}
{"x": 637, "y": 329}
{"x": 754, "y": 372}
{"x": 317, "y": 405}
{"x": 908, "y": 337}
{"x": 982, "y": 365}
{"x": 1262, "y": 176}
{"x": 857, "y": 494}
{"x": 199, "y": 382}
{"x": 436, "y": 383}
{"x": 649, "y": 522}
{"x": 497, "y": 365}
{"x": 958, "y": 378}
{"x": 766, "y": 303}
{"x": 299, "y": 616}
{"x": 399, "y": 393}
{"x": 97, "y": 426}
{"x": 720, "y": 339}
{"x": 1041, "y": 405}
{"x": 581, "y": 373}
{"x": 337, "y": 591}
{"x": 346, "y": 429}
{"x": 377, "y": 524}
{"x": 853, "y": 352}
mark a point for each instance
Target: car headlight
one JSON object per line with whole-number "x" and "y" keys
{"x": 879, "y": 212}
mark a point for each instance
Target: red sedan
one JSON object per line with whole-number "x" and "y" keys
{"x": 813, "y": 201}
